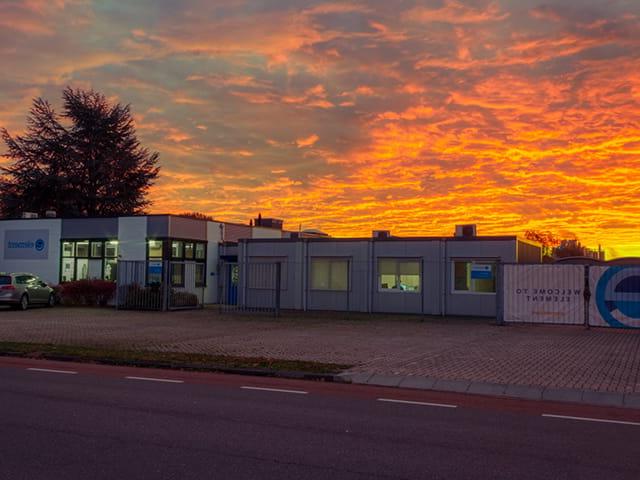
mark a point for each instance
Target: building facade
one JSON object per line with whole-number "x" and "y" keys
{"x": 420, "y": 275}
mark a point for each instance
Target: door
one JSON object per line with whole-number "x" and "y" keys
{"x": 34, "y": 290}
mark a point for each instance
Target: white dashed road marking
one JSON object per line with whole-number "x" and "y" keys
{"x": 150, "y": 379}
{"x": 409, "y": 402}
{"x": 587, "y": 419}
{"x": 299, "y": 392}
{"x": 48, "y": 370}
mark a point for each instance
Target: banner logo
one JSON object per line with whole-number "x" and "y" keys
{"x": 618, "y": 297}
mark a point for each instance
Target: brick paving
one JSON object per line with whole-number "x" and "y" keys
{"x": 474, "y": 350}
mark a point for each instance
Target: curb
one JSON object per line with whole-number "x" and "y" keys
{"x": 525, "y": 392}
{"x": 254, "y": 372}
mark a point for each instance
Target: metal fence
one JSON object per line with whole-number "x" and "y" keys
{"x": 159, "y": 285}
{"x": 604, "y": 296}
{"x": 253, "y": 288}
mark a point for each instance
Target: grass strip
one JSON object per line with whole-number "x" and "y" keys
{"x": 177, "y": 360}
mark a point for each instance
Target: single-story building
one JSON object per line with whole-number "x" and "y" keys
{"x": 420, "y": 275}
{"x": 67, "y": 249}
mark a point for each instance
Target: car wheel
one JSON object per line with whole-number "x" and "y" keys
{"x": 52, "y": 300}
{"x": 24, "y": 303}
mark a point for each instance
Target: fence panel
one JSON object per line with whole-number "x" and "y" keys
{"x": 544, "y": 294}
{"x": 186, "y": 288}
{"x": 615, "y": 296}
{"x": 133, "y": 292}
{"x": 258, "y": 292}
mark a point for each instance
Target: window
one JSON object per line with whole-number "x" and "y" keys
{"x": 201, "y": 251}
{"x": 177, "y": 274}
{"x": 82, "y": 259}
{"x": 398, "y": 275}
{"x": 111, "y": 249}
{"x": 177, "y": 249}
{"x": 96, "y": 249}
{"x": 200, "y": 271}
{"x": 154, "y": 249}
{"x": 82, "y": 249}
{"x": 329, "y": 274}
{"x": 110, "y": 271}
{"x": 474, "y": 276}
{"x": 68, "y": 249}
{"x": 188, "y": 251}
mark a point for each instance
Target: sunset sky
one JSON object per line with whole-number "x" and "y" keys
{"x": 347, "y": 116}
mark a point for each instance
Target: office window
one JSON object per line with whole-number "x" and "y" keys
{"x": 188, "y": 251}
{"x": 154, "y": 248}
{"x": 110, "y": 271}
{"x": 96, "y": 249}
{"x": 82, "y": 249}
{"x": 199, "y": 273}
{"x": 68, "y": 249}
{"x": 111, "y": 249}
{"x": 177, "y": 274}
{"x": 83, "y": 259}
{"x": 329, "y": 274}
{"x": 474, "y": 276}
{"x": 399, "y": 275}
{"x": 201, "y": 250}
{"x": 177, "y": 249}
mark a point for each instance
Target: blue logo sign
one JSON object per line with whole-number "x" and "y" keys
{"x": 39, "y": 244}
{"x": 618, "y": 297}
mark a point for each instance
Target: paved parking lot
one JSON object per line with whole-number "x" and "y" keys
{"x": 457, "y": 349}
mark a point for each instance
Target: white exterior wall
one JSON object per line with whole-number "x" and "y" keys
{"x": 132, "y": 238}
{"x": 48, "y": 269}
{"x": 263, "y": 232}
{"x": 215, "y": 233}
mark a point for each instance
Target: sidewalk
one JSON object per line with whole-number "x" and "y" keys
{"x": 600, "y": 366}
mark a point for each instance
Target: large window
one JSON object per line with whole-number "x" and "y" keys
{"x": 329, "y": 274}
{"x": 398, "y": 275}
{"x": 187, "y": 260}
{"x": 470, "y": 276}
{"x": 82, "y": 259}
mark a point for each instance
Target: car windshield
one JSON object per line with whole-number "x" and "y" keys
{"x": 5, "y": 280}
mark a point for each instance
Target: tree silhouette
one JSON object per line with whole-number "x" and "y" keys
{"x": 86, "y": 161}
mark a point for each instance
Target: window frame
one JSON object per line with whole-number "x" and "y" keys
{"x": 478, "y": 261}
{"x": 399, "y": 261}
{"x": 331, "y": 261}
{"x": 168, "y": 258}
{"x": 74, "y": 257}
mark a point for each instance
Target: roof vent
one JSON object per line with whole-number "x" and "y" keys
{"x": 29, "y": 215}
{"x": 381, "y": 234}
{"x": 466, "y": 231}
{"x": 51, "y": 214}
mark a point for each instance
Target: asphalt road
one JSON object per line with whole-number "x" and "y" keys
{"x": 99, "y": 424}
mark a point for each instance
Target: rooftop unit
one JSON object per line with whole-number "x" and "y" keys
{"x": 466, "y": 231}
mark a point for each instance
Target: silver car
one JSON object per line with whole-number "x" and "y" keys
{"x": 20, "y": 290}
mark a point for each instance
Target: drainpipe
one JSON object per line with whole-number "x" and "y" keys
{"x": 305, "y": 270}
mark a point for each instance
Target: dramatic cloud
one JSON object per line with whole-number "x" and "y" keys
{"x": 358, "y": 115}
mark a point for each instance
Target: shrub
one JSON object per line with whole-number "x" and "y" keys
{"x": 183, "y": 299}
{"x": 86, "y": 292}
{"x": 136, "y": 297}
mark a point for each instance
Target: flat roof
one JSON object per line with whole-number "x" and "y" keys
{"x": 494, "y": 238}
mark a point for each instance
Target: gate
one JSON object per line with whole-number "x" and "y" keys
{"x": 254, "y": 287}
{"x": 159, "y": 285}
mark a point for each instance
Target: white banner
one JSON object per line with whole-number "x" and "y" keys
{"x": 544, "y": 294}
{"x": 615, "y": 296}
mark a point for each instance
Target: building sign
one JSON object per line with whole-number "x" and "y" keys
{"x": 26, "y": 245}
{"x": 544, "y": 294}
{"x": 481, "y": 272}
{"x": 615, "y": 300}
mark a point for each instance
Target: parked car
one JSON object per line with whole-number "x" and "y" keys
{"x": 20, "y": 290}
